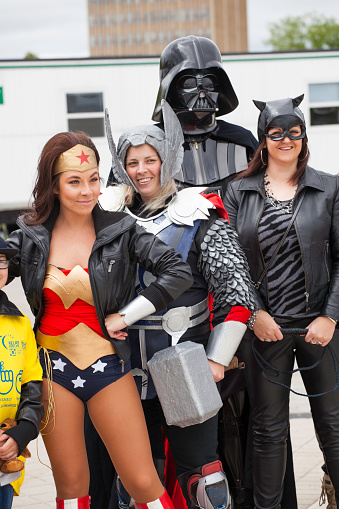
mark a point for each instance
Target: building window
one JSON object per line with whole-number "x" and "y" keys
{"x": 85, "y": 113}
{"x": 130, "y": 39}
{"x": 183, "y": 15}
{"x": 84, "y": 103}
{"x": 137, "y": 18}
{"x": 161, "y": 37}
{"x": 324, "y": 102}
{"x": 129, "y": 18}
{"x": 108, "y": 40}
{"x": 107, "y": 20}
{"x": 99, "y": 40}
{"x": 92, "y": 41}
{"x": 168, "y": 16}
{"x": 169, "y": 36}
{"x": 191, "y": 14}
{"x": 99, "y": 20}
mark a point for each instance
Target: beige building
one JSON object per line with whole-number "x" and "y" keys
{"x": 145, "y": 27}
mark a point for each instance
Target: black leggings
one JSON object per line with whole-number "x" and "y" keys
{"x": 270, "y": 409}
{"x": 192, "y": 447}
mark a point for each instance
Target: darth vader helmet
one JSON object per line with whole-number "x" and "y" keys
{"x": 282, "y": 113}
{"x": 195, "y": 84}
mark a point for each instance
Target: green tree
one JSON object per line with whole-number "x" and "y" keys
{"x": 311, "y": 31}
{"x": 29, "y": 56}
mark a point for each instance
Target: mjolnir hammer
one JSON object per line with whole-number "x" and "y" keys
{"x": 183, "y": 378}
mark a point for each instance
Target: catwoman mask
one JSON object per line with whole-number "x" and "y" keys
{"x": 286, "y": 125}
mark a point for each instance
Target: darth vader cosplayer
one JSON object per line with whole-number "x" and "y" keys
{"x": 194, "y": 82}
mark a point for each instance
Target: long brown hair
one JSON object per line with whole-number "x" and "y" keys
{"x": 260, "y": 160}
{"x": 46, "y": 184}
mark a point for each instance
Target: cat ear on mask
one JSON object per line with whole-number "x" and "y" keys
{"x": 297, "y": 100}
{"x": 259, "y": 104}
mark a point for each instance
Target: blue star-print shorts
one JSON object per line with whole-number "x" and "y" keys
{"x": 84, "y": 383}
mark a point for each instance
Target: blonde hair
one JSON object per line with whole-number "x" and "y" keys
{"x": 159, "y": 202}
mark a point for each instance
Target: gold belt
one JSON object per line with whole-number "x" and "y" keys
{"x": 81, "y": 345}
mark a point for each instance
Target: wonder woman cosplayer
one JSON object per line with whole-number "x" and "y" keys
{"x": 77, "y": 265}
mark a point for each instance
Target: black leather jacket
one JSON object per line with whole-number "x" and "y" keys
{"x": 120, "y": 244}
{"x": 317, "y": 228}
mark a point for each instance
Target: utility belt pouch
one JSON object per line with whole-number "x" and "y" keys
{"x": 184, "y": 383}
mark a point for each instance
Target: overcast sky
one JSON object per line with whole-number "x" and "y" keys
{"x": 58, "y": 28}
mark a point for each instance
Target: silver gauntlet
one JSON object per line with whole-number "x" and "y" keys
{"x": 224, "y": 341}
{"x": 136, "y": 310}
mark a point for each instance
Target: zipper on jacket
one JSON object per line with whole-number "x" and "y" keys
{"x": 326, "y": 255}
{"x": 122, "y": 362}
{"x": 261, "y": 254}
{"x": 307, "y": 295}
{"x": 101, "y": 315}
{"x": 111, "y": 263}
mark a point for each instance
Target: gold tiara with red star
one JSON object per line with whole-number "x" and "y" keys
{"x": 78, "y": 158}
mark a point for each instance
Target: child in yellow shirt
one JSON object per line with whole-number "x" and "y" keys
{"x": 20, "y": 382}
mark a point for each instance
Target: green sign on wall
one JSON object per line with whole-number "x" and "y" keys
{"x": 1, "y": 96}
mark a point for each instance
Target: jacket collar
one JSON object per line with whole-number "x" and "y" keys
{"x": 7, "y": 307}
{"x": 102, "y": 219}
{"x": 310, "y": 178}
{"x": 106, "y": 219}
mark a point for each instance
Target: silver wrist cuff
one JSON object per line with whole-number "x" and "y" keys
{"x": 224, "y": 341}
{"x": 136, "y": 310}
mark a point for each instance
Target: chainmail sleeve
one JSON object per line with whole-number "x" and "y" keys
{"x": 224, "y": 265}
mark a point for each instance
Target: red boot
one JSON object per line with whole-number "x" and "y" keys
{"x": 74, "y": 503}
{"x": 164, "y": 502}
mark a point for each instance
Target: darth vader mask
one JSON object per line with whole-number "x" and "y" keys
{"x": 194, "y": 97}
{"x": 194, "y": 82}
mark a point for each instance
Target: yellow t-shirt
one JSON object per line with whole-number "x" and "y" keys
{"x": 19, "y": 364}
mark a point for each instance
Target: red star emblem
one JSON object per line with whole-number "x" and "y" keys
{"x": 83, "y": 157}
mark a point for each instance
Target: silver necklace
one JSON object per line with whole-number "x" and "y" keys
{"x": 284, "y": 208}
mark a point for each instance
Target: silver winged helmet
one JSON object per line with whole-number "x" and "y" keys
{"x": 168, "y": 143}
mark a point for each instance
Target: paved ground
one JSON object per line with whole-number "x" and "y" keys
{"x": 38, "y": 489}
